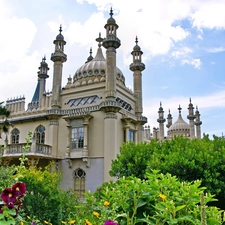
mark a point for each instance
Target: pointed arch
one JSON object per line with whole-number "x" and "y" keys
{"x": 79, "y": 181}
{"x": 40, "y": 134}
{"x": 15, "y": 135}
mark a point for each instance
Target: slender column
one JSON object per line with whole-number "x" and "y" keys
{"x": 53, "y": 132}
{"x": 110, "y": 142}
{"x": 86, "y": 124}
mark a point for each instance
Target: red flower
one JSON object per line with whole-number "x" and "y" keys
{"x": 19, "y": 188}
{"x": 110, "y": 222}
{"x": 8, "y": 197}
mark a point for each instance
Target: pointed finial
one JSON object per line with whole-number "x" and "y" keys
{"x": 160, "y": 104}
{"x": 169, "y": 111}
{"x": 136, "y": 40}
{"x": 111, "y": 12}
{"x": 90, "y": 51}
{"x": 99, "y": 40}
{"x": 43, "y": 59}
{"x": 60, "y": 28}
{"x": 190, "y": 100}
{"x": 179, "y": 109}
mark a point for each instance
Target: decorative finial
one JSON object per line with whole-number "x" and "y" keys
{"x": 136, "y": 40}
{"x": 111, "y": 12}
{"x": 190, "y": 100}
{"x": 179, "y": 109}
{"x": 90, "y": 51}
{"x": 99, "y": 40}
{"x": 169, "y": 111}
{"x": 44, "y": 58}
{"x": 60, "y": 28}
{"x": 160, "y": 104}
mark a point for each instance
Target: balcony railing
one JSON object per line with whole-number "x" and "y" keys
{"x": 13, "y": 149}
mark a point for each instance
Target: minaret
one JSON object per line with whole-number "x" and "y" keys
{"x": 111, "y": 43}
{"x": 58, "y": 57}
{"x": 191, "y": 118}
{"x": 42, "y": 75}
{"x": 161, "y": 121}
{"x": 137, "y": 66}
{"x": 169, "y": 120}
{"x": 198, "y": 123}
{"x": 90, "y": 57}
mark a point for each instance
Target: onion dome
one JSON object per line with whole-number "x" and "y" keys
{"x": 179, "y": 128}
{"x": 60, "y": 37}
{"x": 111, "y": 20}
{"x": 95, "y": 70}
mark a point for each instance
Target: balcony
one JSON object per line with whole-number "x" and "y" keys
{"x": 35, "y": 149}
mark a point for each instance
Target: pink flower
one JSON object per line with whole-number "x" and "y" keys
{"x": 110, "y": 222}
{"x": 19, "y": 188}
{"x": 8, "y": 197}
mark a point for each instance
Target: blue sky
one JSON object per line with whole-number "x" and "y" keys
{"x": 183, "y": 44}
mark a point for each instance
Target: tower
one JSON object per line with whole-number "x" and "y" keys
{"x": 137, "y": 67}
{"x": 191, "y": 118}
{"x": 110, "y": 107}
{"x": 161, "y": 121}
{"x": 169, "y": 120}
{"x": 58, "y": 57}
{"x": 198, "y": 123}
{"x": 42, "y": 75}
{"x": 111, "y": 43}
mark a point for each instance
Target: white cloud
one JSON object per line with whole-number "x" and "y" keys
{"x": 184, "y": 51}
{"x": 194, "y": 62}
{"x": 210, "y": 14}
{"x": 215, "y": 50}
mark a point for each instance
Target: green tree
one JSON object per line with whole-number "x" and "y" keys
{"x": 4, "y": 113}
{"x": 189, "y": 160}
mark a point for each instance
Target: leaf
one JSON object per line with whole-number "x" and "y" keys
{"x": 180, "y": 207}
{"x": 140, "y": 203}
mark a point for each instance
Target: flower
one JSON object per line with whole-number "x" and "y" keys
{"x": 106, "y": 203}
{"x": 96, "y": 214}
{"x": 34, "y": 223}
{"x": 71, "y": 222}
{"x": 21, "y": 223}
{"x": 63, "y": 222}
{"x": 8, "y": 197}
{"x": 87, "y": 222}
{"x": 163, "y": 197}
{"x": 28, "y": 217}
{"x": 45, "y": 222}
{"x": 110, "y": 222}
{"x": 19, "y": 188}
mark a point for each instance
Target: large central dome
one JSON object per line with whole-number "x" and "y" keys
{"x": 94, "y": 71}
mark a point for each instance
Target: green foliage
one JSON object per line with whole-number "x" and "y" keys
{"x": 159, "y": 199}
{"x": 188, "y": 159}
{"x": 4, "y": 113}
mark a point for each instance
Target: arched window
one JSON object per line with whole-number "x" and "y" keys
{"x": 15, "y": 136}
{"x": 40, "y": 134}
{"x": 79, "y": 181}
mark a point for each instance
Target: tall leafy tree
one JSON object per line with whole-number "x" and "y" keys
{"x": 4, "y": 114}
{"x": 187, "y": 159}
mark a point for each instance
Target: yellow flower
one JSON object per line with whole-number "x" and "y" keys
{"x": 71, "y": 222}
{"x": 21, "y": 223}
{"x": 106, "y": 203}
{"x": 96, "y": 214}
{"x": 45, "y": 222}
{"x": 163, "y": 197}
{"x": 28, "y": 217}
{"x": 87, "y": 222}
{"x": 63, "y": 222}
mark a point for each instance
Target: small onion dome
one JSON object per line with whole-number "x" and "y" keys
{"x": 111, "y": 20}
{"x": 136, "y": 47}
{"x": 96, "y": 67}
{"x": 60, "y": 37}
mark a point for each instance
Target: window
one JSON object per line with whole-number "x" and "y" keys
{"x": 131, "y": 136}
{"x": 77, "y": 137}
{"x": 15, "y": 136}
{"x": 79, "y": 181}
{"x": 40, "y": 134}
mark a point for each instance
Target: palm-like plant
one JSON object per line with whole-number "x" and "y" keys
{"x": 4, "y": 114}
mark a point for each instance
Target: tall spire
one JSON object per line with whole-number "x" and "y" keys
{"x": 161, "y": 121}
{"x": 169, "y": 120}
{"x": 137, "y": 67}
{"x": 111, "y": 43}
{"x": 198, "y": 123}
{"x": 58, "y": 57}
{"x": 191, "y": 118}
